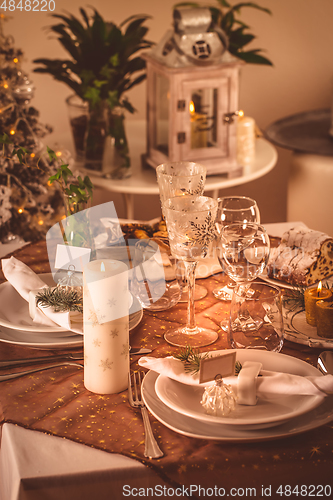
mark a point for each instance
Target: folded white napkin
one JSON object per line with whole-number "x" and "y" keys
{"x": 28, "y": 284}
{"x": 248, "y": 384}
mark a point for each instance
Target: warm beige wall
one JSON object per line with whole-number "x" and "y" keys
{"x": 298, "y": 38}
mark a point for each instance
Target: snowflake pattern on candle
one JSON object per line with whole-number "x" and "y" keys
{"x": 125, "y": 351}
{"x": 106, "y": 364}
{"x": 92, "y": 318}
{"x": 114, "y": 333}
{"x": 96, "y": 342}
{"x": 100, "y": 317}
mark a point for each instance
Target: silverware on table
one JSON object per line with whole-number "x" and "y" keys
{"x": 9, "y": 376}
{"x": 152, "y": 449}
{"x": 325, "y": 362}
{"x": 73, "y": 356}
{"x": 41, "y": 359}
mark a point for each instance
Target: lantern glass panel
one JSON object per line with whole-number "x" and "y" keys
{"x": 203, "y": 117}
{"x": 162, "y": 90}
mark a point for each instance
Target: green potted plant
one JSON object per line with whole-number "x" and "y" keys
{"x": 104, "y": 64}
{"x": 225, "y": 17}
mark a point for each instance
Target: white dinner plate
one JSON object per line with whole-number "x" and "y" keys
{"x": 297, "y": 330}
{"x": 185, "y": 399}
{"x": 49, "y": 340}
{"x": 191, "y": 427}
{"x": 39, "y": 340}
{"x": 14, "y": 312}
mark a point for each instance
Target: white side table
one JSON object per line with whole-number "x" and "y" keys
{"x": 143, "y": 179}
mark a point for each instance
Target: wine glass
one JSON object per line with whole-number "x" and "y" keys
{"x": 182, "y": 178}
{"x": 190, "y": 223}
{"x": 234, "y": 209}
{"x": 243, "y": 253}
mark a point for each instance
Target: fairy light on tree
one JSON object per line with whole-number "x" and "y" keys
{"x": 28, "y": 204}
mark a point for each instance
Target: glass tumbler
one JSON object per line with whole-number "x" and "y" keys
{"x": 156, "y": 279}
{"x": 256, "y": 319}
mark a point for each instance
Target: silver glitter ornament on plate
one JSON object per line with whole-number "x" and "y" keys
{"x": 219, "y": 399}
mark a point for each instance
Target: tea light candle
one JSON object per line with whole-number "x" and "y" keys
{"x": 311, "y": 296}
{"x": 245, "y": 139}
{"x": 198, "y": 128}
{"x": 324, "y": 312}
{"x": 106, "y": 326}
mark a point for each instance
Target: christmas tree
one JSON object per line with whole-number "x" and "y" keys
{"x": 29, "y": 205}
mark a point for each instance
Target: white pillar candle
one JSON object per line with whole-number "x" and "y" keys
{"x": 245, "y": 140}
{"x": 106, "y": 326}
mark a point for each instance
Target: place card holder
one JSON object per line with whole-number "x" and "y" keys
{"x": 218, "y": 399}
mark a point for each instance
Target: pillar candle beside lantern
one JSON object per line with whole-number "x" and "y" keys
{"x": 106, "y": 326}
{"x": 311, "y": 296}
{"x": 246, "y": 139}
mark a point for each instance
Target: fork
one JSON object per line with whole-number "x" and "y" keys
{"x": 152, "y": 449}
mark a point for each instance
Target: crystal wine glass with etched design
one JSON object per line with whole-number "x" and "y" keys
{"x": 182, "y": 178}
{"x": 190, "y": 223}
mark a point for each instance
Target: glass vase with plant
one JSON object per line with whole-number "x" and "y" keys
{"x": 104, "y": 64}
{"x": 77, "y": 194}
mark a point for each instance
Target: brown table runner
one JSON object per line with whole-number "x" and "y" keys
{"x": 56, "y": 402}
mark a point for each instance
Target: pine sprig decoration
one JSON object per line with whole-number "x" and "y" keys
{"x": 60, "y": 299}
{"x": 293, "y": 298}
{"x": 192, "y": 358}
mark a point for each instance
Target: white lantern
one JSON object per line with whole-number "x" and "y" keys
{"x": 192, "y": 95}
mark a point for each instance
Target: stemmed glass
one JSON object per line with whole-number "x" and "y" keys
{"x": 243, "y": 252}
{"x": 182, "y": 178}
{"x": 190, "y": 223}
{"x": 234, "y": 209}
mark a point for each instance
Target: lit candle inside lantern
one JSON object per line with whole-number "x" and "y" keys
{"x": 311, "y": 296}
{"x": 245, "y": 139}
{"x": 198, "y": 128}
{"x": 324, "y": 313}
{"x": 106, "y": 326}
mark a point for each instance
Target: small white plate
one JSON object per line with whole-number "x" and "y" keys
{"x": 191, "y": 427}
{"x": 185, "y": 399}
{"x": 297, "y": 330}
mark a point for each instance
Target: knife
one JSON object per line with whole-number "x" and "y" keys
{"x": 72, "y": 356}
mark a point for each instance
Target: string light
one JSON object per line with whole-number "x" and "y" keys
{"x": 5, "y": 85}
{"x": 40, "y": 222}
{"x": 12, "y": 131}
{"x": 15, "y": 60}
{"x": 58, "y": 153}
{"x": 32, "y": 155}
{"x": 20, "y": 210}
